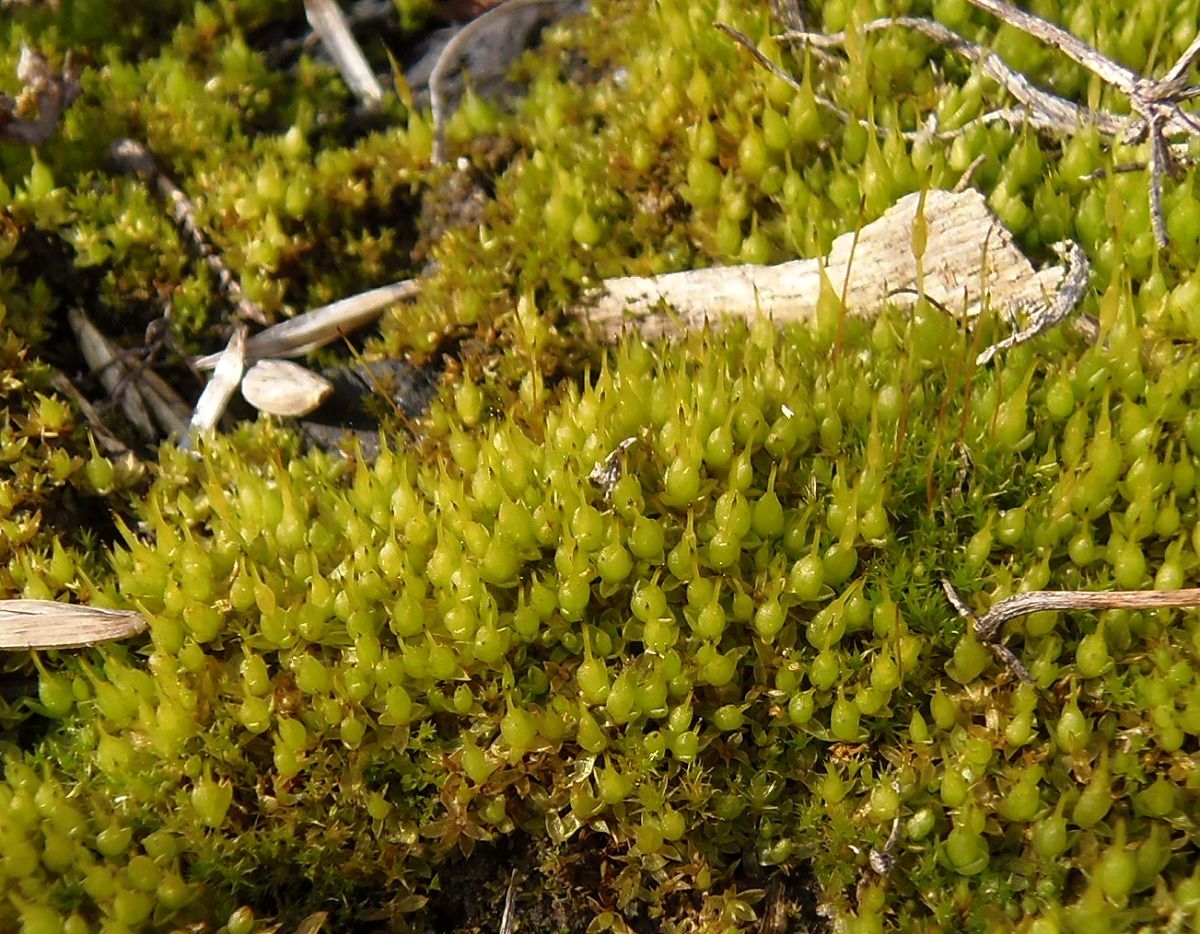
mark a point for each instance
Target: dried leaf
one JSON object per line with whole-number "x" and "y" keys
{"x": 313, "y": 923}
{"x": 46, "y": 624}
{"x": 279, "y": 387}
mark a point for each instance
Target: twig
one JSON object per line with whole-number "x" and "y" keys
{"x": 104, "y": 359}
{"x": 133, "y": 157}
{"x": 105, "y": 438}
{"x": 779, "y": 72}
{"x": 50, "y": 94}
{"x": 449, "y": 57}
{"x": 987, "y": 626}
{"x": 1041, "y": 109}
{"x": 330, "y": 25}
{"x": 1154, "y": 101}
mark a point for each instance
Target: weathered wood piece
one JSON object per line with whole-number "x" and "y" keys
{"x": 969, "y": 258}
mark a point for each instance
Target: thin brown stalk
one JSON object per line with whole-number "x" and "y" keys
{"x": 987, "y": 627}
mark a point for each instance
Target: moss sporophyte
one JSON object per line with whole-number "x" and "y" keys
{"x": 660, "y": 625}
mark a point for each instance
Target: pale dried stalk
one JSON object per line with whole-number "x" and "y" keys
{"x": 104, "y": 438}
{"x": 330, "y": 25}
{"x": 139, "y": 390}
{"x": 46, "y": 624}
{"x": 316, "y": 328}
{"x": 781, "y": 73}
{"x": 220, "y": 389}
{"x": 104, "y": 359}
{"x": 969, "y": 258}
{"x": 449, "y": 58}
{"x": 133, "y": 157}
{"x": 506, "y": 917}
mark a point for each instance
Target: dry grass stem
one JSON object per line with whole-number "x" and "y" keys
{"x": 987, "y": 627}
{"x": 105, "y": 360}
{"x": 316, "y": 328}
{"x": 220, "y": 389}
{"x": 331, "y": 27}
{"x": 448, "y": 60}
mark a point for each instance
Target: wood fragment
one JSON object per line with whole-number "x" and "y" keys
{"x": 279, "y": 387}
{"x": 133, "y": 157}
{"x": 47, "y": 624}
{"x": 969, "y": 257}
{"x": 316, "y": 328}
{"x": 331, "y": 27}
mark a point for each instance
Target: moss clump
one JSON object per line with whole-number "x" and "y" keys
{"x": 741, "y": 654}
{"x": 733, "y": 663}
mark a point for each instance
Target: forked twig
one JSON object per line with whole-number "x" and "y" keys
{"x": 1155, "y": 102}
{"x": 133, "y": 157}
{"x": 987, "y": 627}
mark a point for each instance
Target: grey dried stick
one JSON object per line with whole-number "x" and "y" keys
{"x": 1154, "y": 101}
{"x": 1040, "y": 108}
{"x": 133, "y": 157}
{"x": 1051, "y": 314}
{"x": 330, "y": 24}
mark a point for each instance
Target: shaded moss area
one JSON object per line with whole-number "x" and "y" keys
{"x": 684, "y": 699}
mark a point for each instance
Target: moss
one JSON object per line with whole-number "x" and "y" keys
{"x": 733, "y": 667}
